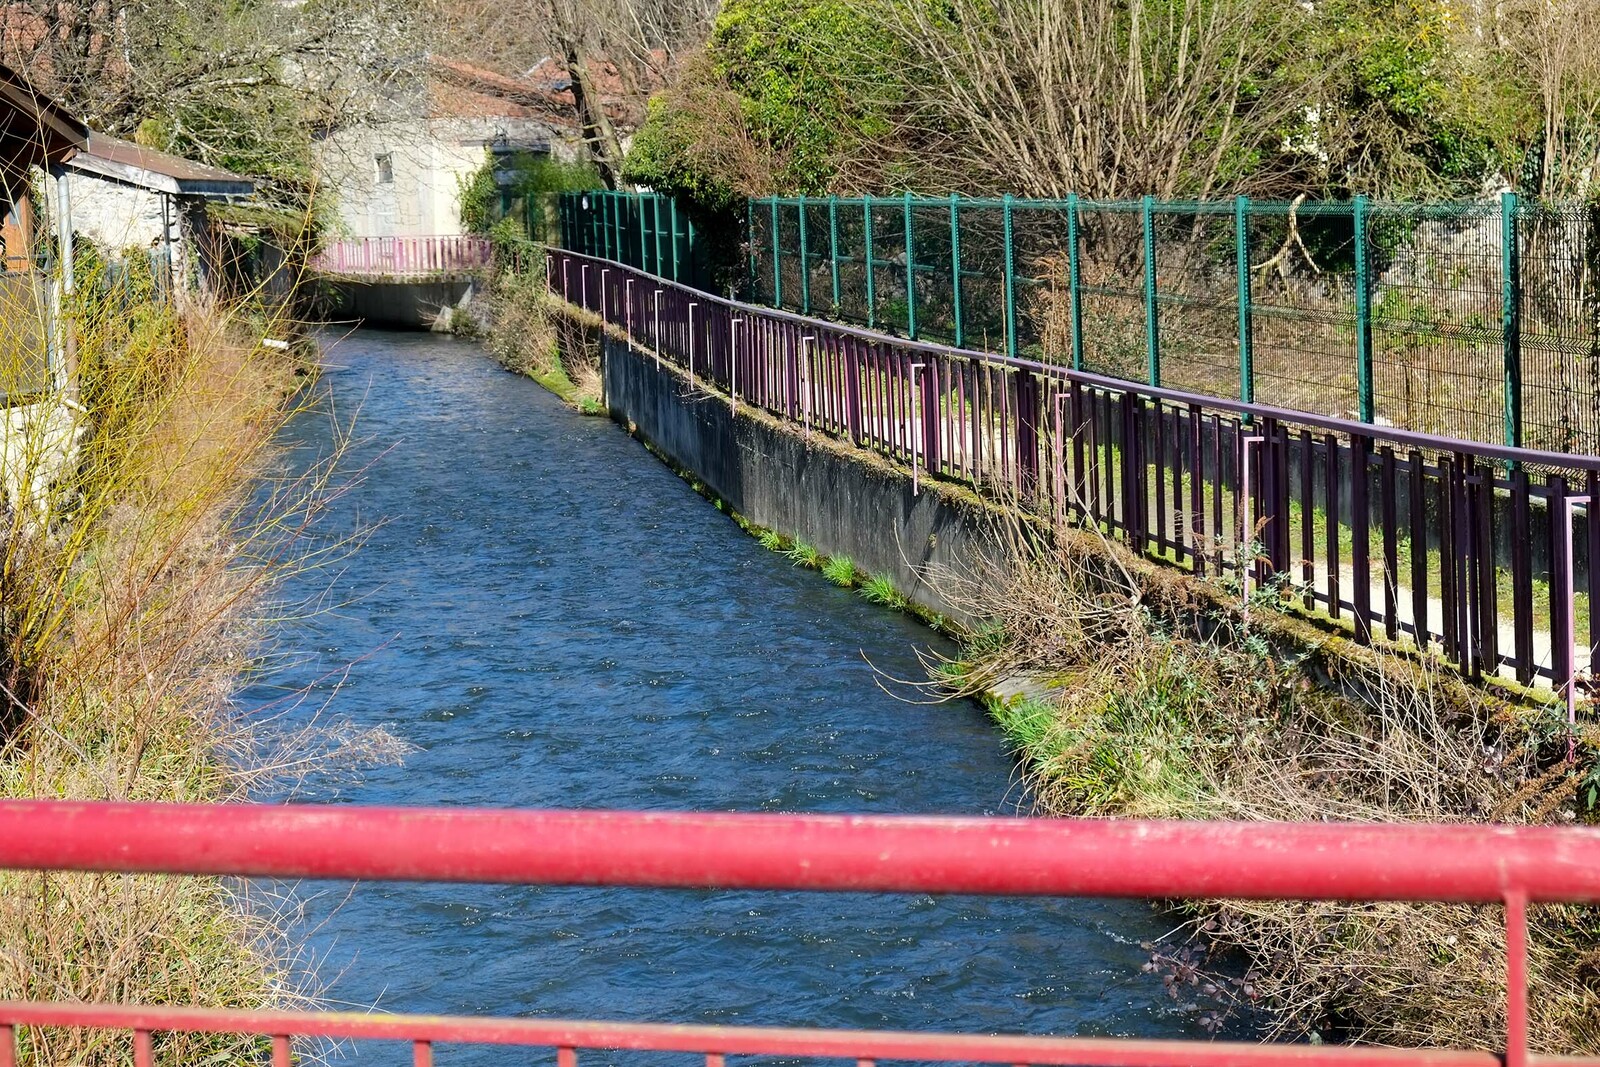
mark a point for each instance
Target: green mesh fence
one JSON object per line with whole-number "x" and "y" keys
{"x": 1469, "y": 320}
{"x": 644, "y": 230}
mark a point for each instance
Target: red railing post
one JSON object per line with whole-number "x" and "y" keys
{"x": 1516, "y": 978}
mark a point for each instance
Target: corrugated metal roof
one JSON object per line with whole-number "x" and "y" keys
{"x": 132, "y": 164}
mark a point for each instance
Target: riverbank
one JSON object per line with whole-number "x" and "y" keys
{"x": 139, "y": 584}
{"x": 1129, "y": 690}
{"x": 527, "y": 331}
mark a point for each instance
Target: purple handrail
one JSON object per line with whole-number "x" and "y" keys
{"x": 1165, "y": 470}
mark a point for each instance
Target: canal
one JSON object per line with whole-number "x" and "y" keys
{"x": 552, "y": 618}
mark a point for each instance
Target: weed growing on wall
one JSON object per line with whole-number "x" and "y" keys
{"x": 841, "y": 571}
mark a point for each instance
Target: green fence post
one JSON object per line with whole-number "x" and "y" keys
{"x": 777, "y": 261}
{"x": 612, "y": 230}
{"x": 1152, "y": 313}
{"x": 672, "y": 214}
{"x": 1074, "y": 281}
{"x": 644, "y": 250}
{"x": 872, "y": 297}
{"x": 955, "y": 267}
{"x": 607, "y": 209}
{"x": 1011, "y": 279}
{"x": 805, "y": 262}
{"x": 626, "y": 229}
{"x": 619, "y": 204}
{"x": 1241, "y": 261}
{"x": 911, "y": 276}
{"x": 1363, "y": 315}
{"x": 833, "y": 247}
{"x": 1511, "y": 315}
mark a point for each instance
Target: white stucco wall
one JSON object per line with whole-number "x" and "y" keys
{"x": 430, "y": 159}
{"x": 116, "y": 216}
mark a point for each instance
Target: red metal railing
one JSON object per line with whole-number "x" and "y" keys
{"x": 403, "y": 256}
{"x": 1513, "y": 866}
{"x": 1451, "y": 547}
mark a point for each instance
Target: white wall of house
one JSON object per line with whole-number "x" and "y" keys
{"x": 116, "y": 216}
{"x": 418, "y": 193}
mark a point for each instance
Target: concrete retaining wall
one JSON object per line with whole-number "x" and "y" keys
{"x": 844, "y": 502}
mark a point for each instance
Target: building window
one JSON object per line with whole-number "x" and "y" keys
{"x": 385, "y": 168}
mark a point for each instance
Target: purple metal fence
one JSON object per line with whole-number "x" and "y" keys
{"x": 1465, "y": 550}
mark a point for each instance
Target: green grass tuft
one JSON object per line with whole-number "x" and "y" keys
{"x": 880, "y": 590}
{"x": 841, "y": 571}
{"x": 805, "y": 555}
{"x": 1026, "y": 722}
{"x": 771, "y": 540}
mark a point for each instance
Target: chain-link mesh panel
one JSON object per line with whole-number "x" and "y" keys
{"x": 1197, "y": 301}
{"x": 788, "y": 259}
{"x": 932, "y": 269}
{"x": 1559, "y": 319}
{"x": 1039, "y": 235}
{"x": 983, "y": 293}
{"x": 1111, "y": 273}
{"x": 816, "y": 294}
{"x": 1302, "y": 265}
{"x": 889, "y": 266}
{"x": 852, "y": 261}
{"x": 761, "y": 238}
{"x": 1438, "y": 356}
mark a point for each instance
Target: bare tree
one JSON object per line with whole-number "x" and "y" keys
{"x": 1556, "y": 46}
{"x": 614, "y": 53}
{"x": 229, "y": 83}
{"x": 1105, "y": 98}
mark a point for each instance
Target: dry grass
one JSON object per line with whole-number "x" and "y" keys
{"x": 528, "y": 337}
{"x": 1119, "y": 709}
{"x": 138, "y": 581}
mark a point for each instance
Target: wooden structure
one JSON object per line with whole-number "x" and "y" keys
{"x": 35, "y": 132}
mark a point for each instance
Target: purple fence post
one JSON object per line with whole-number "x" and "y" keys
{"x": 1027, "y": 430}
{"x": 852, "y": 387}
{"x": 1360, "y": 548}
{"x": 930, "y": 414}
{"x": 793, "y": 373}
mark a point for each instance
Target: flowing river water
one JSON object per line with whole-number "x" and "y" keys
{"x": 553, "y": 619}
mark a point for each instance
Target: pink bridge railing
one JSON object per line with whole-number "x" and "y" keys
{"x": 403, "y": 256}
{"x": 1512, "y": 866}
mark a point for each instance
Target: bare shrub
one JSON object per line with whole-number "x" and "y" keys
{"x": 137, "y": 584}
{"x": 528, "y": 335}
{"x": 1118, "y": 708}
{"x": 1104, "y": 99}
